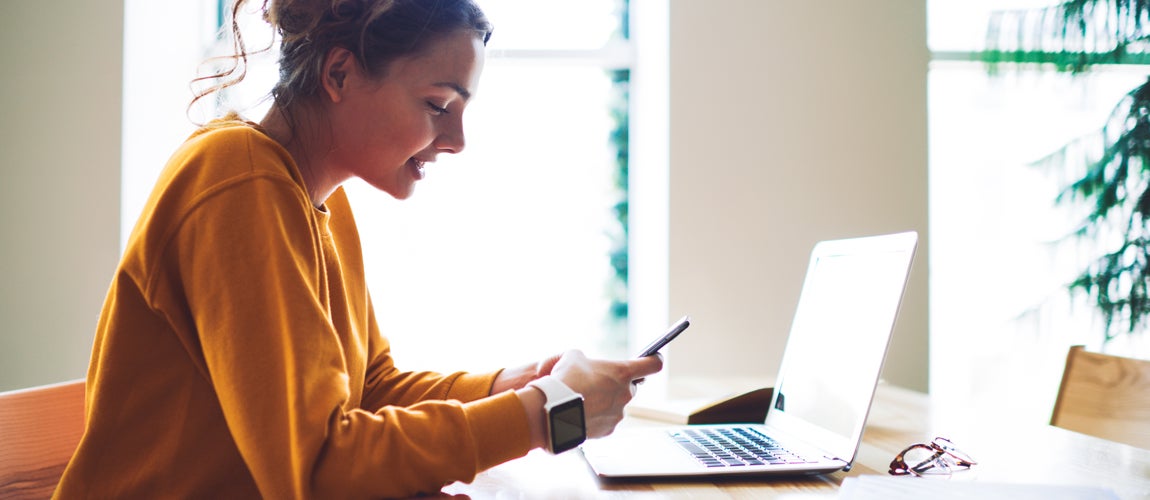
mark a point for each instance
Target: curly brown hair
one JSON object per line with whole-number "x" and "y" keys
{"x": 377, "y": 32}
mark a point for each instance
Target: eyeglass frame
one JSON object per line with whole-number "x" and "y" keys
{"x": 940, "y": 448}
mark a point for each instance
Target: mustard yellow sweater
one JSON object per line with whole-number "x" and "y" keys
{"x": 237, "y": 354}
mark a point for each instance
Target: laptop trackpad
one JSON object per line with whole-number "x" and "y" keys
{"x": 638, "y": 451}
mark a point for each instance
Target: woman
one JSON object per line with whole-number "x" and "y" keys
{"x": 237, "y": 354}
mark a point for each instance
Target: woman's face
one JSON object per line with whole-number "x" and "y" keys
{"x": 386, "y": 130}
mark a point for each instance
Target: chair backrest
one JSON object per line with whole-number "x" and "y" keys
{"x": 1105, "y": 396}
{"x": 39, "y": 430}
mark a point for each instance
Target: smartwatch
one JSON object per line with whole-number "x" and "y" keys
{"x": 566, "y": 427}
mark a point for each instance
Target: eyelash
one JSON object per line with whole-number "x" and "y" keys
{"x": 437, "y": 109}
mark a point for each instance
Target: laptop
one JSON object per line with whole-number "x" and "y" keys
{"x": 831, "y": 364}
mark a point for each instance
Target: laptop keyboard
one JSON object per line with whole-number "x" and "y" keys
{"x": 734, "y": 447}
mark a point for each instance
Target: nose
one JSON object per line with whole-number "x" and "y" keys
{"x": 451, "y": 139}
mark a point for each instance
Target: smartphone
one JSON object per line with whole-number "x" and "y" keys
{"x": 673, "y": 332}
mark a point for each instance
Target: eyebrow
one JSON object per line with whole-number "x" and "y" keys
{"x": 456, "y": 87}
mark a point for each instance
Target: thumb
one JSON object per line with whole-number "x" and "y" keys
{"x": 648, "y": 365}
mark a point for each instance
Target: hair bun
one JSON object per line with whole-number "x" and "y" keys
{"x": 293, "y": 18}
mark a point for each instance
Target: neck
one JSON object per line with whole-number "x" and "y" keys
{"x": 301, "y": 136}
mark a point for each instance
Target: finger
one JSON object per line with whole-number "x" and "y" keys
{"x": 545, "y": 366}
{"x": 649, "y": 365}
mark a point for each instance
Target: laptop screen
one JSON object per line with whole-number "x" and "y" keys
{"x": 838, "y": 339}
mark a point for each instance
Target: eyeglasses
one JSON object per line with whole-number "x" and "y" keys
{"x": 939, "y": 457}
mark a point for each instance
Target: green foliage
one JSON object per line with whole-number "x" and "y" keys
{"x": 1114, "y": 164}
{"x": 1065, "y": 62}
{"x": 1073, "y": 35}
{"x": 1114, "y": 187}
{"x": 620, "y": 139}
{"x": 619, "y": 234}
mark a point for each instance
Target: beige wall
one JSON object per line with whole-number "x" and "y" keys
{"x": 790, "y": 122}
{"x": 60, "y": 98}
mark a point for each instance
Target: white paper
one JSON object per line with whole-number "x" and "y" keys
{"x": 890, "y": 487}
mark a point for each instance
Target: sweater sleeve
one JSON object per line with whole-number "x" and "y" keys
{"x": 386, "y": 385}
{"x": 256, "y": 289}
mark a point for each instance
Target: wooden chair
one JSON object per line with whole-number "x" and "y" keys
{"x": 1105, "y": 396}
{"x": 39, "y": 430}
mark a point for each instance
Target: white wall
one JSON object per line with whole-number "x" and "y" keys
{"x": 790, "y": 122}
{"x": 59, "y": 182}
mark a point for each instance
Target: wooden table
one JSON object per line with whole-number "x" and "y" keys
{"x": 1007, "y": 451}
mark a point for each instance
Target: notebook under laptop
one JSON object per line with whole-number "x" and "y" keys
{"x": 826, "y": 382}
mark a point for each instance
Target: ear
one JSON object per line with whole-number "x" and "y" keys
{"x": 337, "y": 66}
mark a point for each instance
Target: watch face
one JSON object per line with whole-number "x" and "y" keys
{"x": 567, "y": 427}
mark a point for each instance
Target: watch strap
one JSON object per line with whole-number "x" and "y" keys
{"x": 563, "y": 409}
{"x": 554, "y": 391}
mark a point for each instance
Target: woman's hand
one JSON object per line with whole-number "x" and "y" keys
{"x": 517, "y": 378}
{"x": 606, "y": 386}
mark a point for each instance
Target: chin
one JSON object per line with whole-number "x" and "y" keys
{"x": 401, "y": 193}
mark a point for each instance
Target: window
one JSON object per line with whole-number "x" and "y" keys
{"x": 1001, "y": 316}
{"x": 504, "y": 249}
